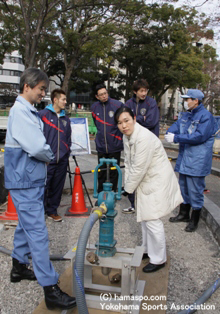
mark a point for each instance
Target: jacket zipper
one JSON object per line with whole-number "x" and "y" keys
{"x": 106, "y": 146}
{"x": 58, "y": 149}
{"x": 137, "y": 107}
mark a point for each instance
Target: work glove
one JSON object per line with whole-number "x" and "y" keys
{"x": 169, "y": 137}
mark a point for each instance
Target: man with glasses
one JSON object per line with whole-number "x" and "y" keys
{"x": 108, "y": 138}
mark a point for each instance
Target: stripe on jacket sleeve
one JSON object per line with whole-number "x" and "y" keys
{"x": 118, "y": 137}
{"x": 67, "y": 147}
{"x": 51, "y": 124}
{"x": 100, "y": 120}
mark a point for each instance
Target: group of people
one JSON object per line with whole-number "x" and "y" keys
{"x": 37, "y": 150}
{"x": 150, "y": 182}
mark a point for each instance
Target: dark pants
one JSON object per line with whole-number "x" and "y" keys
{"x": 113, "y": 173}
{"x": 131, "y": 198}
{"x": 56, "y": 175}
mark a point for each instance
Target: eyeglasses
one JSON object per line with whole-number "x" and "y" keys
{"x": 102, "y": 94}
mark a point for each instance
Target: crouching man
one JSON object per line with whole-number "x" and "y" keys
{"x": 25, "y": 159}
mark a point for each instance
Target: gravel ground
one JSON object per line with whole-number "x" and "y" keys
{"x": 194, "y": 260}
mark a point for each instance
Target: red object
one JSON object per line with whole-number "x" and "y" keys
{"x": 10, "y": 213}
{"x": 206, "y": 191}
{"x": 78, "y": 206}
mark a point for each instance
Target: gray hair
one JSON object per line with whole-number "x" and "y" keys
{"x": 32, "y": 77}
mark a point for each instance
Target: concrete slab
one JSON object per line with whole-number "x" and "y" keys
{"x": 155, "y": 290}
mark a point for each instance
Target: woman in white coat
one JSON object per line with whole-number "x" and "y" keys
{"x": 149, "y": 173}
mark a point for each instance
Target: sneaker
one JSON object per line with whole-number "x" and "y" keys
{"x": 55, "y": 217}
{"x": 129, "y": 210}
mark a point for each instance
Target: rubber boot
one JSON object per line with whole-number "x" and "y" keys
{"x": 193, "y": 223}
{"x": 183, "y": 214}
{"x": 55, "y": 297}
{"x": 20, "y": 271}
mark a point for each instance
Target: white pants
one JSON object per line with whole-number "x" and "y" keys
{"x": 153, "y": 241}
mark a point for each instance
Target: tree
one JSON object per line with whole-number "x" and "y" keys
{"x": 29, "y": 18}
{"x": 161, "y": 50}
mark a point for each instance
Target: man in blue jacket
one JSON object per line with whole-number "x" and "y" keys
{"x": 147, "y": 114}
{"x": 194, "y": 131}
{"x": 25, "y": 159}
{"x": 108, "y": 138}
{"x": 57, "y": 131}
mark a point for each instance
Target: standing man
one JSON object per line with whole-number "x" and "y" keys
{"x": 57, "y": 131}
{"x": 108, "y": 138}
{"x": 194, "y": 131}
{"x": 146, "y": 111}
{"x": 25, "y": 159}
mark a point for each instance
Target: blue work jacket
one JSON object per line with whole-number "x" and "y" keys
{"x": 146, "y": 112}
{"x": 26, "y": 151}
{"x": 108, "y": 138}
{"x": 194, "y": 131}
{"x": 57, "y": 131}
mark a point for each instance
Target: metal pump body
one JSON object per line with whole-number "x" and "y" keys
{"x": 106, "y": 244}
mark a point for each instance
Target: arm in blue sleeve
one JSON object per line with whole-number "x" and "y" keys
{"x": 69, "y": 132}
{"x": 27, "y": 132}
{"x": 152, "y": 116}
{"x": 151, "y": 119}
{"x": 175, "y": 128}
{"x": 203, "y": 132}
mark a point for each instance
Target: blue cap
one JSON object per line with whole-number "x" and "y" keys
{"x": 194, "y": 93}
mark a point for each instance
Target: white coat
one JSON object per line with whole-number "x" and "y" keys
{"x": 149, "y": 173}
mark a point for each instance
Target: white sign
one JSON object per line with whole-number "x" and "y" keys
{"x": 80, "y": 137}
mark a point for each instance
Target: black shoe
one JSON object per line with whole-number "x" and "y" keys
{"x": 183, "y": 214}
{"x": 21, "y": 271}
{"x": 145, "y": 255}
{"x": 96, "y": 203}
{"x": 55, "y": 297}
{"x": 149, "y": 268}
{"x": 194, "y": 220}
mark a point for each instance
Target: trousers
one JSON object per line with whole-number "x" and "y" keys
{"x": 31, "y": 235}
{"x": 192, "y": 189}
{"x": 153, "y": 241}
{"x": 131, "y": 198}
{"x": 113, "y": 173}
{"x": 56, "y": 175}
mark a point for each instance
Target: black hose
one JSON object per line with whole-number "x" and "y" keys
{"x": 54, "y": 257}
{"x": 206, "y": 295}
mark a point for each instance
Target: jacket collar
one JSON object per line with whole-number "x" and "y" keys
{"x": 133, "y": 137}
{"x": 197, "y": 108}
{"x": 140, "y": 101}
{"x": 26, "y": 103}
{"x": 104, "y": 103}
{"x": 51, "y": 108}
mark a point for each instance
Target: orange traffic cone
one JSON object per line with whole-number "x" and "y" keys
{"x": 78, "y": 207}
{"x": 10, "y": 213}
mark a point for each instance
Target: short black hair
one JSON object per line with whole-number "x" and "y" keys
{"x": 98, "y": 87}
{"x": 141, "y": 83}
{"x": 32, "y": 77}
{"x": 56, "y": 93}
{"x": 120, "y": 110}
